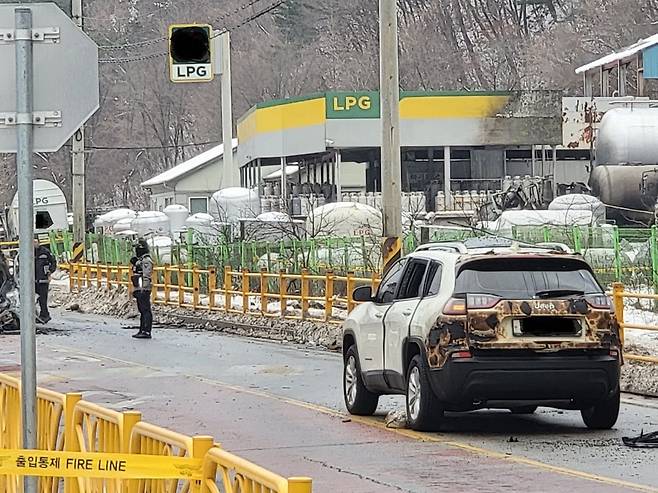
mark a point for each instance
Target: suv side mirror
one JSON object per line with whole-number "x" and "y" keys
{"x": 362, "y": 293}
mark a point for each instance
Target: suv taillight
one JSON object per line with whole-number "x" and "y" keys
{"x": 599, "y": 301}
{"x": 455, "y": 306}
{"x": 481, "y": 301}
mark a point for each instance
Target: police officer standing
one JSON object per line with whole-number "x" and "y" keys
{"x": 142, "y": 284}
{"x": 44, "y": 266}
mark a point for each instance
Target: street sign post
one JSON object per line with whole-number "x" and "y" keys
{"x": 66, "y": 91}
{"x": 49, "y": 89}
{"x": 65, "y": 5}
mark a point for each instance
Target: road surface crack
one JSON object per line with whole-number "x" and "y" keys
{"x": 358, "y": 475}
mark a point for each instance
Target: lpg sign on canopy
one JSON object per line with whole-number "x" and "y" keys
{"x": 342, "y": 105}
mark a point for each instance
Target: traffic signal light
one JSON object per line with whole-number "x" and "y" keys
{"x": 190, "y": 53}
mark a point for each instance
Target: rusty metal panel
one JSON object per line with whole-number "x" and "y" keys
{"x": 581, "y": 117}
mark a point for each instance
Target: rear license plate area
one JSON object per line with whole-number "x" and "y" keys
{"x": 547, "y": 327}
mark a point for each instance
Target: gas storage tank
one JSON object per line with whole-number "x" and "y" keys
{"x": 345, "y": 219}
{"x": 625, "y": 173}
{"x": 177, "y": 215}
{"x": 234, "y": 203}
{"x": 151, "y": 223}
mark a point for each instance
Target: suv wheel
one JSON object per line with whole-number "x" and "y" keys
{"x": 603, "y": 415}
{"x": 358, "y": 399}
{"x": 424, "y": 412}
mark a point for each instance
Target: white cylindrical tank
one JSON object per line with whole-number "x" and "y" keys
{"x": 344, "y": 219}
{"x": 234, "y": 203}
{"x": 201, "y": 223}
{"x": 579, "y": 202}
{"x": 177, "y": 215}
{"x": 160, "y": 247}
{"x": 151, "y": 222}
{"x": 122, "y": 225}
{"x": 108, "y": 219}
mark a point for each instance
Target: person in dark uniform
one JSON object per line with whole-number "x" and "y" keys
{"x": 142, "y": 283}
{"x": 45, "y": 265}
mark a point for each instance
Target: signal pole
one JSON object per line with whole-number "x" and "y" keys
{"x": 390, "y": 108}
{"x": 227, "y": 110}
{"x": 78, "y": 159}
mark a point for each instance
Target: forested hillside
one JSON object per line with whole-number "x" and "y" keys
{"x": 146, "y": 124}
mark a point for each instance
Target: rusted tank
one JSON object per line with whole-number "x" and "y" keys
{"x": 625, "y": 175}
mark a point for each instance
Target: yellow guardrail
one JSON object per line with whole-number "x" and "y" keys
{"x": 254, "y": 291}
{"x": 74, "y": 428}
{"x": 240, "y": 476}
{"x": 54, "y": 411}
{"x": 619, "y": 294}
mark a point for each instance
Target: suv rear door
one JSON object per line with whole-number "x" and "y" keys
{"x": 371, "y": 320}
{"x": 533, "y": 302}
{"x": 399, "y": 316}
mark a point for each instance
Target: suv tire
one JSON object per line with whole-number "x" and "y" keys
{"x": 358, "y": 399}
{"x": 424, "y": 411}
{"x": 603, "y": 415}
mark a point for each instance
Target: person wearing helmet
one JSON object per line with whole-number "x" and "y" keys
{"x": 142, "y": 274}
{"x": 45, "y": 265}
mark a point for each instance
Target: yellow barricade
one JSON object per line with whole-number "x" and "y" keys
{"x": 239, "y": 476}
{"x": 94, "y": 465}
{"x": 97, "y": 450}
{"x": 618, "y": 296}
{"x": 149, "y": 439}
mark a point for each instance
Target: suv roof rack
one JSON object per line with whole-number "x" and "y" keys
{"x": 447, "y": 246}
{"x": 491, "y": 242}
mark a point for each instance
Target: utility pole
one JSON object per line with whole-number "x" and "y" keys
{"x": 390, "y": 109}
{"x": 24, "y": 148}
{"x": 78, "y": 162}
{"x": 229, "y": 174}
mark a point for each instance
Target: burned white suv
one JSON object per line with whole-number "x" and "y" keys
{"x": 487, "y": 323}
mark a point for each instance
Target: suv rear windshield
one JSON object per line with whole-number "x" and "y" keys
{"x": 523, "y": 278}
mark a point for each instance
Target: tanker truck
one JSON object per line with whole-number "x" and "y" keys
{"x": 625, "y": 172}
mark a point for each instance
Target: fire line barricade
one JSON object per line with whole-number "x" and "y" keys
{"x": 85, "y": 448}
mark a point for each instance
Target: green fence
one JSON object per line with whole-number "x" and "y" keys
{"x": 628, "y": 255}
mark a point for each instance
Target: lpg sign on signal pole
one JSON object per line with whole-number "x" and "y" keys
{"x": 190, "y": 53}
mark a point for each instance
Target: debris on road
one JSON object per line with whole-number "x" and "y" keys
{"x": 397, "y": 419}
{"x": 643, "y": 441}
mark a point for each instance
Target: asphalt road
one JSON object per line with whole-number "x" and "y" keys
{"x": 281, "y": 406}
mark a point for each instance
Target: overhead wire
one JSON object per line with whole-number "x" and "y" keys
{"x": 147, "y": 147}
{"x": 148, "y": 42}
{"x": 238, "y": 25}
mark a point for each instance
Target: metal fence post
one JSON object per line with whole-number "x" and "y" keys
{"x": 618, "y": 303}
{"x": 282, "y": 292}
{"x": 305, "y": 293}
{"x": 615, "y": 237}
{"x": 329, "y": 295}
{"x": 212, "y": 286}
{"x": 167, "y": 284}
{"x": 245, "y": 290}
{"x": 300, "y": 485}
{"x": 228, "y": 282}
{"x": 200, "y": 447}
{"x": 350, "y": 289}
{"x": 263, "y": 291}
{"x": 70, "y": 437}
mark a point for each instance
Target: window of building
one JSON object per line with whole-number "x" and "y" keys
{"x": 198, "y": 204}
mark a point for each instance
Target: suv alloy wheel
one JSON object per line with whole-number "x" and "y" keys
{"x": 358, "y": 399}
{"x": 424, "y": 411}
